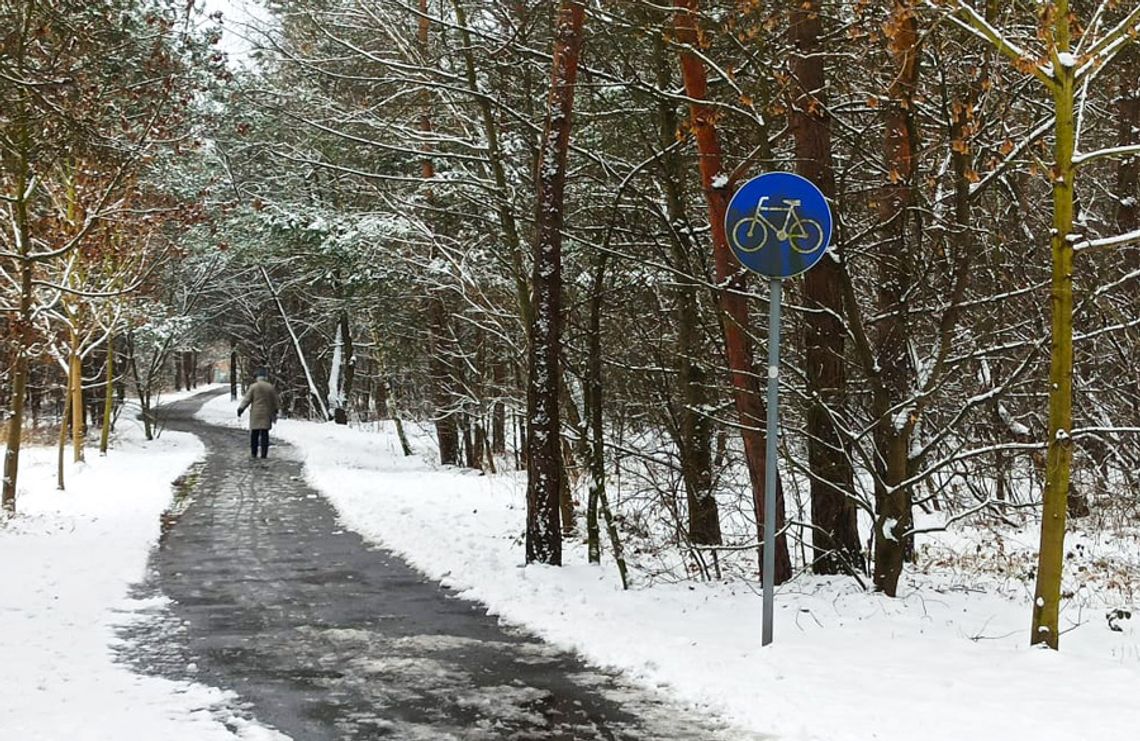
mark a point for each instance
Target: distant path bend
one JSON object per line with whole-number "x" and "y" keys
{"x": 327, "y": 637}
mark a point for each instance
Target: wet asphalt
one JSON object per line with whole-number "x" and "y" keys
{"x": 323, "y": 636}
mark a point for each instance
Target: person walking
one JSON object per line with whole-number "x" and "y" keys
{"x": 262, "y": 401}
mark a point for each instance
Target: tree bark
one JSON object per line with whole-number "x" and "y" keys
{"x": 64, "y": 418}
{"x": 75, "y": 365}
{"x": 447, "y": 433}
{"x": 835, "y": 533}
{"x": 544, "y": 459}
{"x": 730, "y": 278}
{"x": 108, "y": 397}
{"x": 179, "y": 367}
{"x": 21, "y": 335}
{"x": 233, "y": 373}
{"x": 142, "y": 389}
{"x": 1059, "y": 453}
{"x": 1128, "y": 170}
{"x": 594, "y": 431}
{"x": 348, "y": 377}
{"x": 893, "y": 381}
{"x": 694, "y": 425}
{"x": 192, "y": 370}
{"x": 499, "y": 410}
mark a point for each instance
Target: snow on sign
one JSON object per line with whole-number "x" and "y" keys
{"x": 778, "y": 224}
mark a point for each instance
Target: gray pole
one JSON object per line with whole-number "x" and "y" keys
{"x": 774, "y": 299}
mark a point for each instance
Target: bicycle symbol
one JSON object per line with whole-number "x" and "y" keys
{"x": 752, "y": 234}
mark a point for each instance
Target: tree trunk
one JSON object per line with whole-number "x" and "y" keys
{"x": 348, "y": 376}
{"x": 192, "y": 370}
{"x": 594, "y": 429}
{"x": 142, "y": 389}
{"x": 730, "y": 277}
{"x": 894, "y": 381}
{"x": 1059, "y": 453}
{"x": 499, "y": 410}
{"x": 336, "y": 386}
{"x": 566, "y": 497}
{"x": 470, "y": 458}
{"x": 835, "y": 533}
{"x": 108, "y": 397}
{"x": 233, "y": 373}
{"x": 394, "y": 414}
{"x": 21, "y": 330}
{"x": 64, "y": 419}
{"x": 441, "y": 374}
{"x": 484, "y": 461}
{"x": 75, "y": 388}
{"x": 694, "y": 425}
{"x": 314, "y": 394}
{"x": 544, "y": 439}
{"x": 387, "y": 391}
{"x": 1128, "y": 133}
{"x": 380, "y": 392}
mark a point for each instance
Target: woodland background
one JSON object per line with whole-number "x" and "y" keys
{"x": 391, "y": 207}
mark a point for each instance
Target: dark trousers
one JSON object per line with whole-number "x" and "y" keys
{"x": 256, "y": 438}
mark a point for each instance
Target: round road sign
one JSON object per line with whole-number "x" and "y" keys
{"x": 778, "y": 224}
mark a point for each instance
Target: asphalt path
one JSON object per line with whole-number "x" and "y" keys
{"x": 323, "y": 636}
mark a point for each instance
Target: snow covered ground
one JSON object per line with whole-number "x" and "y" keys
{"x": 946, "y": 661}
{"x": 69, "y": 560}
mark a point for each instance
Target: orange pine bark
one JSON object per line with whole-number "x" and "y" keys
{"x": 718, "y": 186}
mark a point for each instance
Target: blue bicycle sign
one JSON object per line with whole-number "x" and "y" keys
{"x": 778, "y": 224}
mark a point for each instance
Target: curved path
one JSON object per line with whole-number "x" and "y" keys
{"x": 323, "y": 636}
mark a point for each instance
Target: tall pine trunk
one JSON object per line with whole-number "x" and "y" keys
{"x": 544, "y": 439}
{"x": 447, "y": 433}
{"x": 730, "y": 279}
{"x": 835, "y": 532}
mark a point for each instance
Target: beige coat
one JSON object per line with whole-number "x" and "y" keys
{"x": 262, "y": 401}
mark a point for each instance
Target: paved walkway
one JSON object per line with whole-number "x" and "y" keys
{"x": 327, "y": 637}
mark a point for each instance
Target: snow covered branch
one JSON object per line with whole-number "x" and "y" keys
{"x": 968, "y": 19}
{"x": 1121, "y": 151}
{"x": 1111, "y": 44}
{"x": 1119, "y": 240}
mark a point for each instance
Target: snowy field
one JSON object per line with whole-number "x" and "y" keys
{"x": 69, "y": 560}
{"x": 944, "y": 662}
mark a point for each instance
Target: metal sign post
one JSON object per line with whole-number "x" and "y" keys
{"x": 776, "y": 286}
{"x": 778, "y": 225}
